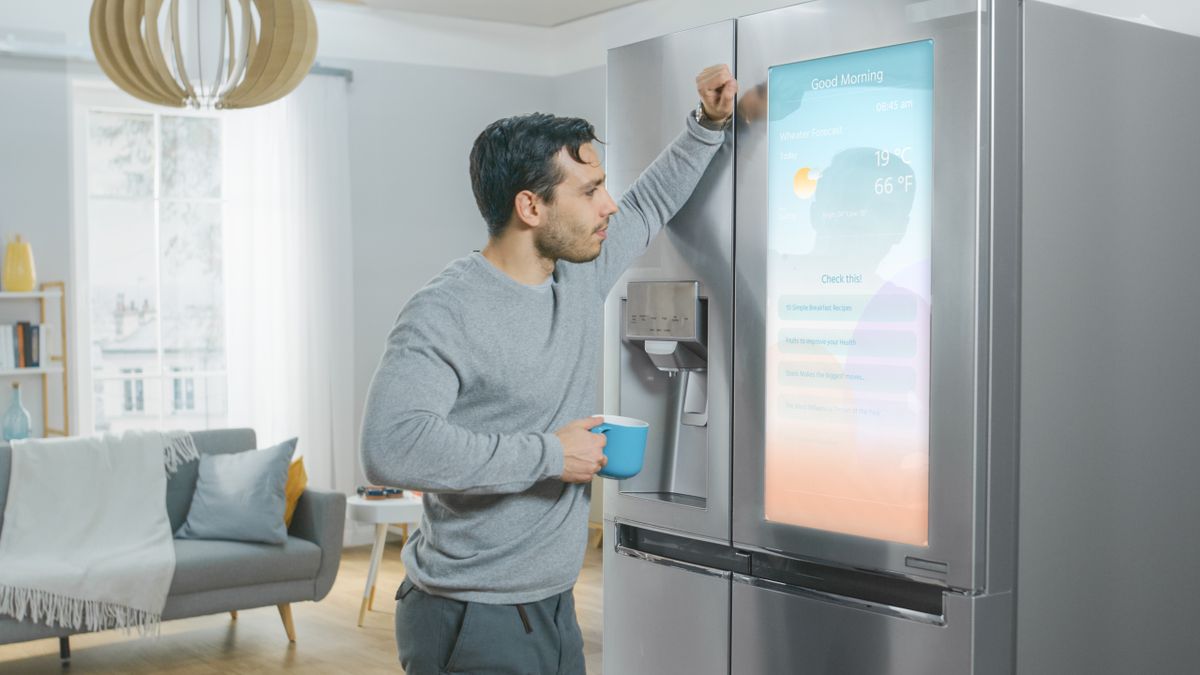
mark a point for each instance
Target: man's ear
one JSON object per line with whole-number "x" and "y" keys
{"x": 528, "y": 208}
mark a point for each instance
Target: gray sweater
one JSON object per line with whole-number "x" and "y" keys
{"x": 478, "y": 373}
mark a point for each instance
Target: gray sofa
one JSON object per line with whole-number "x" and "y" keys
{"x": 225, "y": 576}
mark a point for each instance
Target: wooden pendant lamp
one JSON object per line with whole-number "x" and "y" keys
{"x": 205, "y": 53}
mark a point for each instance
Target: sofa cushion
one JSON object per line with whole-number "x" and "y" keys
{"x": 181, "y": 485}
{"x": 241, "y": 496}
{"x": 205, "y": 565}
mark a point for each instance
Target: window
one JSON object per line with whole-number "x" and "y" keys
{"x": 152, "y": 278}
{"x": 135, "y": 394}
{"x": 183, "y": 392}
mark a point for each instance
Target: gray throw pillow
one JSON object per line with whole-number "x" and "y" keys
{"x": 240, "y": 496}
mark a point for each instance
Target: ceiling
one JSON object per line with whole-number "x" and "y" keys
{"x": 525, "y": 12}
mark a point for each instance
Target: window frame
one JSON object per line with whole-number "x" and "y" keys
{"x": 88, "y": 95}
{"x": 183, "y": 389}
{"x": 134, "y": 390}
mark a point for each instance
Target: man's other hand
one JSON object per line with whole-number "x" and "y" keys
{"x": 583, "y": 451}
{"x": 717, "y": 90}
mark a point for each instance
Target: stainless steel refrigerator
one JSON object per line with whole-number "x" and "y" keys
{"x": 833, "y": 342}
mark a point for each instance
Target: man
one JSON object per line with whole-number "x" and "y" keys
{"x": 483, "y": 394}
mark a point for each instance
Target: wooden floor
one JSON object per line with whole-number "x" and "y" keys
{"x": 327, "y": 640}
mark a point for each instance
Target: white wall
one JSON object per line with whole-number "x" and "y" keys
{"x": 580, "y": 94}
{"x": 35, "y": 192}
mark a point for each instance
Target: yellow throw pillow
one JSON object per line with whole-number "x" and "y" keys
{"x": 296, "y": 482}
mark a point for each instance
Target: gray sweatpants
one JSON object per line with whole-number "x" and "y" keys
{"x": 438, "y": 635}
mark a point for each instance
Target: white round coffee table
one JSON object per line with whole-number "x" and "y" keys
{"x": 402, "y": 511}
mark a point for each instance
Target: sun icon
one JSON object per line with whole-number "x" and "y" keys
{"x": 804, "y": 183}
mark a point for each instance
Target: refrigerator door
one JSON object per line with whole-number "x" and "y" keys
{"x": 862, "y": 226}
{"x": 663, "y": 615}
{"x": 680, "y": 384}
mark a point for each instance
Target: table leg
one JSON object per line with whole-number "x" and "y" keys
{"x": 376, "y": 554}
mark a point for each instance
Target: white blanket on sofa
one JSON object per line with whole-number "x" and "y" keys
{"x": 86, "y": 543}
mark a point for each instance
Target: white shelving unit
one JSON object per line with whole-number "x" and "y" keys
{"x": 18, "y": 372}
{"x": 50, "y": 294}
{"x": 52, "y": 364}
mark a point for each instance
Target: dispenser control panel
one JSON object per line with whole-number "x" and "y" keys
{"x": 663, "y": 310}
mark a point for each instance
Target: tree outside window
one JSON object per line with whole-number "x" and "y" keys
{"x": 155, "y": 279}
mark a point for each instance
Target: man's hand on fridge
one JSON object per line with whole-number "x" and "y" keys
{"x": 718, "y": 92}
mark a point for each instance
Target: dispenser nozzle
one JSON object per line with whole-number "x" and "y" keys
{"x": 671, "y": 356}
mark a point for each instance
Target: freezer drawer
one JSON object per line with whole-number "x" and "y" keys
{"x": 663, "y": 617}
{"x": 793, "y": 630}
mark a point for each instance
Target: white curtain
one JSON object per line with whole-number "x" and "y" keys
{"x": 289, "y": 285}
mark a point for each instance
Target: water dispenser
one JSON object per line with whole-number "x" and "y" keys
{"x": 664, "y": 336}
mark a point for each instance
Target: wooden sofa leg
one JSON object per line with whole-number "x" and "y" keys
{"x": 233, "y": 613}
{"x": 285, "y": 613}
{"x": 64, "y": 650}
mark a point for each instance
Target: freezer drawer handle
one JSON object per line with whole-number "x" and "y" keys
{"x": 668, "y": 562}
{"x": 842, "y": 600}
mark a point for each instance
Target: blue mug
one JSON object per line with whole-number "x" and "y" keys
{"x": 626, "y": 446}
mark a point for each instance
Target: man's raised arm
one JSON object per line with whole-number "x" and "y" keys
{"x": 665, "y": 186}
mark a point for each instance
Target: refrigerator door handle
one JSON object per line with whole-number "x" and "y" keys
{"x": 841, "y": 600}
{"x": 670, "y": 562}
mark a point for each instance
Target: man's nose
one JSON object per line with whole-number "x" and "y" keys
{"x": 610, "y": 207}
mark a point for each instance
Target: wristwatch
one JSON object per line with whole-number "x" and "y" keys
{"x": 708, "y": 122}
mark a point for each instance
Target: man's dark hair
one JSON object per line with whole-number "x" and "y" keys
{"x": 517, "y": 153}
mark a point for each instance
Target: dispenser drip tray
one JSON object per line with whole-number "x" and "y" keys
{"x": 672, "y": 497}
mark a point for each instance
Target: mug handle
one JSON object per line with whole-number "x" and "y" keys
{"x": 601, "y": 428}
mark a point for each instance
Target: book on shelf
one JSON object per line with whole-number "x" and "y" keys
{"x": 22, "y": 345}
{"x": 19, "y": 355}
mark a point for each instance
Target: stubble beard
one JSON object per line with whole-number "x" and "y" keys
{"x": 559, "y": 241}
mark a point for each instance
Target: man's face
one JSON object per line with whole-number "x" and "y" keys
{"x": 577, "y": 219}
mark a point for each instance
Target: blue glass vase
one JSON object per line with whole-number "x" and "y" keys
{"x": 16, "y": 418}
